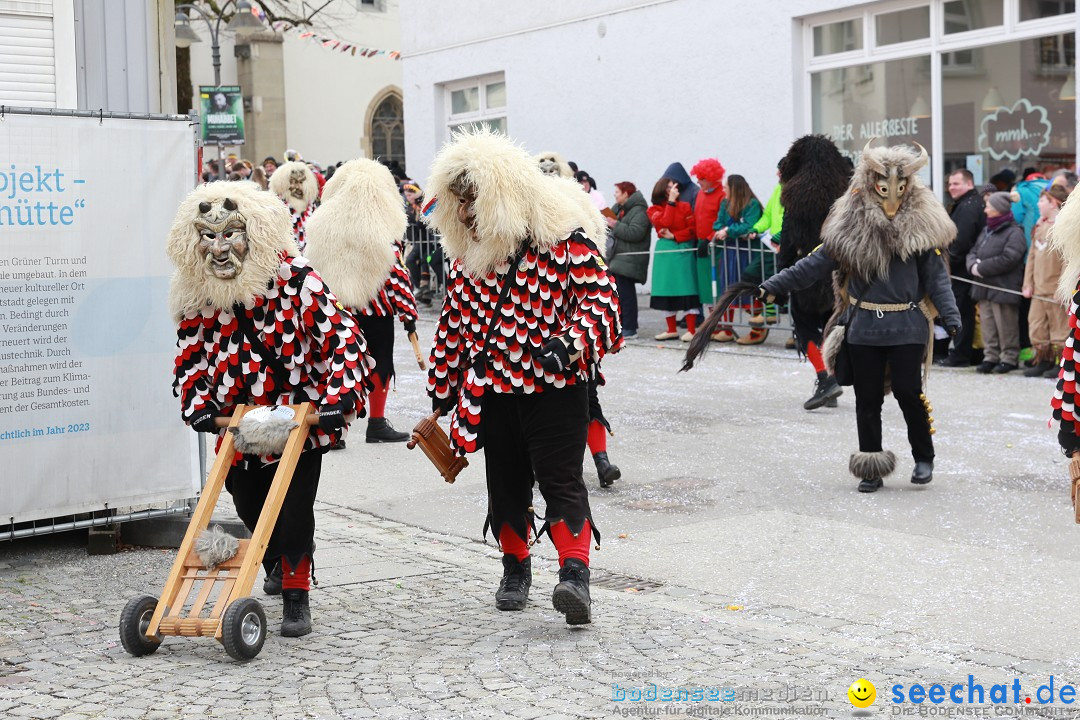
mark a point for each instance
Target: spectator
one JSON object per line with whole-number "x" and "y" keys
{"x": 1048, "y": 321}
{"x": 674, "y": 286}
{"x": 763, "y": 264}
{"x": 1003, "y": 181}
{"x": 1066, "y": 178}
{"x": 998, "y": 260}
{"x": 688, "y": 192}
{"x": 424, "y": 254}
{"x": 269, "y": 166}
{"x": 738, "y": 214}
{"x": 969, "y": 217}
{"x": 628, "y": 259}
{"x": 589, "y": 186}
{"x": 710, "y": 175}
{"x": 1025, "y": 207}
{"x": 258, "y": 176}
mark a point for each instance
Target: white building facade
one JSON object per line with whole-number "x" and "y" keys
{"x": 625, "y": 87}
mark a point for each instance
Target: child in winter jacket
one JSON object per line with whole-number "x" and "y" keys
{"x": 1048, "y": 320}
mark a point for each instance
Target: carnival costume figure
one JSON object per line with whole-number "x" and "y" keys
{"x": 257, "y": 326}
{"x": 529, "y": 313}
{"x": 353, "y": 243}
{"x": 297, "y": 186}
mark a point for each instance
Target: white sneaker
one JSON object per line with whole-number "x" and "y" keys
{"x": 667, "y": 335}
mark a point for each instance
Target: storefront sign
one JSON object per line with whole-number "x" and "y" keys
{"x": 222, "y": 109}
{"x": 1009, "y": 133}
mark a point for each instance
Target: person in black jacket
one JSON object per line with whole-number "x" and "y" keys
{"x": 883, "y": 243}
{"x": 969, "y": 216}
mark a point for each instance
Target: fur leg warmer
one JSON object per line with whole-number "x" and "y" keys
{"x": 870, "y": 465}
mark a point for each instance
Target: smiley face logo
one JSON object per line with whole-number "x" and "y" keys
{"x": 862, "y": 693}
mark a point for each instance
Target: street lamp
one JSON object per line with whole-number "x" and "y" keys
{"x": 243, "y": 22}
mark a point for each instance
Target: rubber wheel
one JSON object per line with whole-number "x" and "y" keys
{"x": 134, "y": 621}
{"x": 243, "y": 629}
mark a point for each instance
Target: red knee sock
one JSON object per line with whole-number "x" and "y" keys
{"x": 377, "y": 398}
{"x": 512, "y": 544}
{"x": 597, "y": 437}
{"x": 671, "y": 326}
{"x": 298, "y": 578}
{"x": 814, "y": 355}
{"x": 691, "y": 322}
{"x": 729, "y": 315}
{"x": 570, "y": 546}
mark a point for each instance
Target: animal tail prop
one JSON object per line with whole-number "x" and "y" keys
{"x": 703, "y": 336}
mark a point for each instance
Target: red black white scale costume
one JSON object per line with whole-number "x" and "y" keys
{"x": 296, "y": 184}
{"x": 523, "y": 257}
{"x": 270, "y": 334}
{"x": 353, "y": 241}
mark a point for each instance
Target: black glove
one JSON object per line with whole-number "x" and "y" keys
{"x": 1069, "y": 442}
{"x": 953, "y": 330}
{"x": 331, "y": 418}
{"x": 203, "y": 420}
{"x": 554, "y": 357}
{"x": 703, "y": 248}
{"x": 410, "y": 326}
{"x": 443, "y": 406}
{"x": 762, "y": 293}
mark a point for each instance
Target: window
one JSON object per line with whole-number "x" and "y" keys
{"x": 476, "y": 102}
{"x": 902, "y": 26}
{"x": 388, "y": 131}
{"x": 370, "y": 5}
{"x": 838, "y": 37}
{"x": 965, "y": 15}
{"x": 1036, "y": 9}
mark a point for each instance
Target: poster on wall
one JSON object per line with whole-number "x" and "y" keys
{"x": 87, "y": 416}
{"x": 221, "y": 108}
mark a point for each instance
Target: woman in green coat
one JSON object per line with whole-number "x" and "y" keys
{"x": 628, "y": 256}
{"x": 674, "y": 285}
{"x": 739, "y": 212}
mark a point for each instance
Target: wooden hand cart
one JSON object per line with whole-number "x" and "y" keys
{"x": 188, "y": 605}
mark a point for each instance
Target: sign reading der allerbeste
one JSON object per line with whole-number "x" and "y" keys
{"x": 222, "y": 110}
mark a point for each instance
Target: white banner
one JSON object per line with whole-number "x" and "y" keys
{"x": 87, "y": 415}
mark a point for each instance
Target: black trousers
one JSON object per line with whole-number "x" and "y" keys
{"x": 905, "y": 364}
{"x": 961, "y": 344}
{"x": 628, "y": 308}
{"x": 379, "y": 333}
{"x": 294, "y": 533}
{"x": 417, "y": 260}
{"x": 539, "y": 438}
{"x": 808, "y": 325}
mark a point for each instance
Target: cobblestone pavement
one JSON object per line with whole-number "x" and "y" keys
{"x": 405, "y": 628}
{"x": 736, "y": 555}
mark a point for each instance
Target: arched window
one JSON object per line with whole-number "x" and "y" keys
{"x": 388, "y": 131}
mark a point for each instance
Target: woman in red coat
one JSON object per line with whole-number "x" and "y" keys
{"x": 674, "y": 285}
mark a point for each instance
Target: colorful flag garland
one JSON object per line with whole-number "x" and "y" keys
{"x": 329, "y": 43}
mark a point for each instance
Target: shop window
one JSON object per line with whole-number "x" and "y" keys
{"x": 1036, "y": 9}
{"x": 477, "y": 102}
{"x": 902, "y": 26}
{"x": 838, "y": 37}
{"x": 887, "y": 100}
{"x": 1018, "y": 113}
{"x": 966, "y": 15}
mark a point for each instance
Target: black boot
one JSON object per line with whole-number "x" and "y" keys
{"x": 825, "y": 389}
{"x": 869, "y": 485}
{"x": 607, "y": 472}
{"x": 295, "y": 613}
{"x": 379, "y": 430}
{"x": 571, "y": 596}
{"x": 923, "y": 473}
{"x": 272, "y": 583}
{"x": 516, "y": 580}
{"x": 1039, "y": 369}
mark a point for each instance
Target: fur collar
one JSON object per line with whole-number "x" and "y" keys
{"x": 350, "y": 238}
{"x": 269, "y": 235}
{"x": 863, "y": 241}
{"x": 515, "y": 201}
